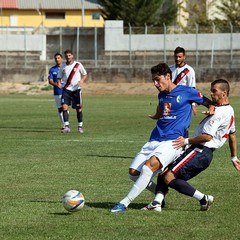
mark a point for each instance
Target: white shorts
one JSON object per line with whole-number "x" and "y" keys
{"x": 58, "y": 100}
{"x": 164, "y": 151}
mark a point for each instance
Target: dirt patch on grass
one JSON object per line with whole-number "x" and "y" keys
{"x": 92, "y": 88}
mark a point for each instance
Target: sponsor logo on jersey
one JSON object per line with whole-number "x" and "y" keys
{"x": 167, "y": 109}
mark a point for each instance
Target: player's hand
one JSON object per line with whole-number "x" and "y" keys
{"x": 236, "y": 164}
{"x": 80, "y": 83}
{"x": 59, "y": 85}
{"x": 153, "y": 116}
{"x": 194, "y": 109}
{"x": 179, "y": 142}
{"x": 210, "y": 111}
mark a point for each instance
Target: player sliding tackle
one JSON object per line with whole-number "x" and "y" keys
{"x": 175, "y": 110}
{"x": 210, "y": 135}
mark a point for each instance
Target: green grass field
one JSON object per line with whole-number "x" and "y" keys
{"x": 39, "y": 164}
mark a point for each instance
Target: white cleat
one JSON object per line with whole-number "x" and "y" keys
{"x": 209, "y": 201}
{"x": 153, "y": 206}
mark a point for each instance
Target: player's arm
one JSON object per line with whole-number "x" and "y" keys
{"x": 209, "y": 104}
{"x": 51, "y": 82}
{"x": 157, "y": 113}
{"x": 181, "y": 141}
{"x": 59, "y": 84}
{"x": 233, "y": 149}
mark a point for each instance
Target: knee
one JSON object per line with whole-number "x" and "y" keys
{"x": 133, "y": 172}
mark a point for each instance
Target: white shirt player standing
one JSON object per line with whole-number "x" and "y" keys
{"x": 71, "y": 76}
{"x": 182, "y": 73}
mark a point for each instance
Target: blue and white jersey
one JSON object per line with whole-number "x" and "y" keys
{"x": 175, "y": 112}
{"x": 53, "y": 72}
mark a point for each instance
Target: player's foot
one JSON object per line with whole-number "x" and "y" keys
{"x": 80, "y": 130}
{"x": 155, "y": 206}
{"x": 66, "y": 130}
{"x": 206, "y": 202}
{"x": 119, "y": 208}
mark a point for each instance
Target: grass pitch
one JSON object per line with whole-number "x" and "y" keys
{"x": 39, "y": 164}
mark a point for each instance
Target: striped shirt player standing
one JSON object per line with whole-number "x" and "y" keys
{"x": 182, "y": 73}
{"x": 210, "y": 135}
{"x": 57, "y": 91}
{"x": 174, "y": 118}
{"x": 71, "y": 76}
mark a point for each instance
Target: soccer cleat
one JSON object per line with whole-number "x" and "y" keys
{"x": 155, "y": 206}
{"x": 119, "y": 208}
{"x": 66, "y": 130}
{"x": 209, "y": 200}
{"x": 80, "y": 130}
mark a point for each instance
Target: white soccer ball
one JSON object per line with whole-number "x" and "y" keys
{"x": 73, "y": 201}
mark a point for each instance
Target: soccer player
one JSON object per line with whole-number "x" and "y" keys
{"x": 211, "y": 134}
{"x": 72, "y": 75}
{"x": 57, "y": 91}
{"x": 182, "y": 73}
{"x": 175, "y": 103}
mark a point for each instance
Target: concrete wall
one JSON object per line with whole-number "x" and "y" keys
{"x": 116, "y": 40}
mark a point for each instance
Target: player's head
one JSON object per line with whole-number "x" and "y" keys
{"x": 69, "y": 56}
{"x": 161, "y": 76}
{"x": 220, "y": 91}
{"x": 179, "y": 56}
{"x": 58, "y": 58}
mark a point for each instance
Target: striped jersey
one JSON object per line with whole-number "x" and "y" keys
{"x": 183, "y": 76}
{"x": 175, "y": 113}
{"x": 218, "y": 126}
{"x": 71, "y": 74}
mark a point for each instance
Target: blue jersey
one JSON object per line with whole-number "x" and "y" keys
{"x": 175, "y": 113}
{"x": 53, "y": 72}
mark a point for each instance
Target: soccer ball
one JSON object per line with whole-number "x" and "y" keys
{"x": 73, "y": 201}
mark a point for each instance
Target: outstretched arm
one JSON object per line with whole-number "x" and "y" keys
{"x": 233, "y": 150}
{"x": 181, "y": 141}
{"x": 157, "y": 114}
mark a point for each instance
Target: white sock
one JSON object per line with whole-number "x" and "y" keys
{"x": 159, "y": 197}
{"x": 151, "y": 186}
{"x": 198, "y": 195}
{"x": 80, "y": 124}
{"x": 141, "y": 183}
{"x": 61, "y": 118}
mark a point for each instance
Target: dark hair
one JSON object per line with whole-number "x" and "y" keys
{"x": 161, "y": 69}
{"x": 224, "y": 85}
{"x": 58, "y": 54}
{"x": 68, "y": 51}
{"x": 179, "y": 50}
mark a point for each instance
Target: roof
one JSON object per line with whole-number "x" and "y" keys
{"x": 50, "y": 4}
{"x": 7, "y": 3}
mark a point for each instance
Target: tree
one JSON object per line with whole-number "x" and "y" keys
{"x": 229, "y": 9}
{"x": 139, "y": 12}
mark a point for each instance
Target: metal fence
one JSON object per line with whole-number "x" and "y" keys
{"x": 90, "y": 46}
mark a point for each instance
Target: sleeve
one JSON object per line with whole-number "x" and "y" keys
{"x": 82, "y": 70}
{"x": 195, "y": 96}
{"x": 192, "y": 78}
{"x": 50, "y": 76}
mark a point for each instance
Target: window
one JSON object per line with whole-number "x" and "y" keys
{"x": 55, "y": 15}
{"x": 96, "y": 16}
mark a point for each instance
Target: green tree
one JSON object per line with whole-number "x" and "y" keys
{"x": 230, "y": 10}
{"x": 140, "y": 12}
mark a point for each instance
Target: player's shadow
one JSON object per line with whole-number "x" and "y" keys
{"x": 110, "y": 205}
{"x": 107, "y": 156}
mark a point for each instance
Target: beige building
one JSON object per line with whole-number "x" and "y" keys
{"x": 50, "y": 13}
{"x": 208, "y": 5}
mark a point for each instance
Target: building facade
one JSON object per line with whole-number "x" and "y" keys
{"x": 50, "y": 13}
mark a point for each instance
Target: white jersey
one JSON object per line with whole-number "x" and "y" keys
{"x": 71, "y": 75}
{"x": 218, "y": 126}
{"x": 183, "y": 76}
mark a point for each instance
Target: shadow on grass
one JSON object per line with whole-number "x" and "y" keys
{"x": 107, "y": 156}
{"x": 27, "y": 129}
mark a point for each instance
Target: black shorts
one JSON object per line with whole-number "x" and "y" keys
{"x": 73, "y": 98}
{"x": 196, "y": 159}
